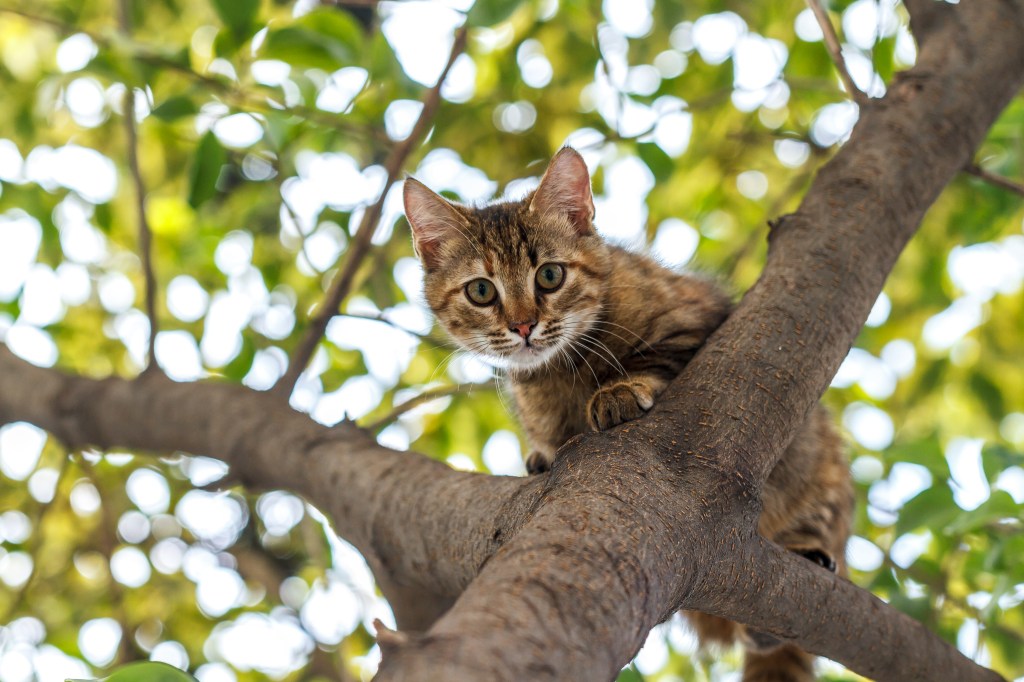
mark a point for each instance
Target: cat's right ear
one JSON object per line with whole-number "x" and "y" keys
{"x": 432, "y": 218}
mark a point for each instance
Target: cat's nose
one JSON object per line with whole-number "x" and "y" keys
{"x": 523, "y": 328}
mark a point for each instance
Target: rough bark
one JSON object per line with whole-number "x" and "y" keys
{"x": 561, "y": 576}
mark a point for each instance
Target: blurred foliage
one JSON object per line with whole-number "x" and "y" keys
{"x": 147, "y": 672}
{"x": 115, "y": 557}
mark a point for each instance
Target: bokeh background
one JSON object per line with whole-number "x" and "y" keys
{"x": 263, "y": 125}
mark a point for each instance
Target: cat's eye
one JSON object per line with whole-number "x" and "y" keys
{"x": 481, "y": 292}
{"x": 550, "y": 276}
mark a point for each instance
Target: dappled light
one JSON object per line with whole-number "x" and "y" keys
{"x": 267, "y": 135}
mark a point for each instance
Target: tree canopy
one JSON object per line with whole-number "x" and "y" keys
{"x": 259, "y": 145}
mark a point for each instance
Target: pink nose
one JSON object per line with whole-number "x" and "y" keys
{"x": 523, "y": 329}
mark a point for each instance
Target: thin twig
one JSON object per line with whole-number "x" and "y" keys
{"x": 360, "y": 246}
{"x": 426, "y": 397}
{"x": 379, "y": 317}
{"x": 434, "y": 340}
{"x": 835, "y": 51}
{"x": 997, "y": 180}
{"x": 145, "y": 233}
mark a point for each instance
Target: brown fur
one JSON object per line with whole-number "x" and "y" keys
{"x": 603, "y": 346}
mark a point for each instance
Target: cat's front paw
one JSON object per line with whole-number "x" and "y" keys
{"x": 618, "y": 403}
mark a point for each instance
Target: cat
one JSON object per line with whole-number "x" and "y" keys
{"x": 589, "y": 334}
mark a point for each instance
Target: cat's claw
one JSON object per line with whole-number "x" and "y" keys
{"x": 537, "y": 463}
{"x": 619, "y": 403}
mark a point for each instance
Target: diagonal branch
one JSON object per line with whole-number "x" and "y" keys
{"x": 145, "y": 233}
{"x": 341, "y": 285}
{"x": 995, "y": 179}
{"x": 835, "y": 51}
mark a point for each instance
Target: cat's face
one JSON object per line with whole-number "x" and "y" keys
{"x": 516, "y": 282}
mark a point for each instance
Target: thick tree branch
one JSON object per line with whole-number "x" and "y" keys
{"x": 562, "y": 576}
{"x": 360, "y": 246}
{"x": 926, "y": 16}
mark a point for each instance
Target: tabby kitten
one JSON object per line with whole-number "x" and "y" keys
{"x": 589, "y": 334}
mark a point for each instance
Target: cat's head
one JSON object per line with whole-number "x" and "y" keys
{"x": 516, "y": 282}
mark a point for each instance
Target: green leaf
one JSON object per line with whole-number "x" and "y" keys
{"x": 995, "y": 459}
{"x": 174, "y": 108}
{"x": 918, "y": 608}
{"x": 281, "y": 128}
{"x": 147, "y": 672}
{"x": 933, "y": 508}
{"x": 323, "y": 39}
{"x": 660, "y": 163}
{"x": 1000, "y": 505}
{"x": 209, "y": 159}
{"x": 926, "y": 452}
{"x": 490, "y": 12}
{"x": 989, "y": 395}
{"x": 238, "y": 15}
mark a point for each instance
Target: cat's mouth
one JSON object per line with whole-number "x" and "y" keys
{"x": 531, "y": 354}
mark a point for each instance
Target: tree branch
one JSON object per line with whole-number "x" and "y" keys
{"x": 835, "y": 51}
{"x": 145, "y": 234}
{"x": 926, "y": 16}
{"x": 997, "y": 180}
{"x": 360, "y": 246}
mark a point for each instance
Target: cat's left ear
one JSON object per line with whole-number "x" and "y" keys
{"x": 565, "y": 190}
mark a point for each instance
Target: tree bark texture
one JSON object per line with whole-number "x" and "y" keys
{"x": 561, "y": 576}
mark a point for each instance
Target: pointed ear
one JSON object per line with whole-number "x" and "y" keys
{"x": 432, "y": 218}
{"x": 565, "y": 190}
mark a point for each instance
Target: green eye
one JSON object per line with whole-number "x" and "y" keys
{"x": 481, "y": 292}
{"x": 550, "y": 276}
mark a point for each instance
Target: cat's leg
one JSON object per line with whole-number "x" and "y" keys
{"x": 781, "y": 664}
{"x": 820, "y": 532}
{"x": 537, "y": 462}
{"x": 646, "y": 375}
{"x": 712, "y": 629}
{"x": 621, "y": 401}
{"x": 542, "y": 456}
